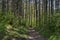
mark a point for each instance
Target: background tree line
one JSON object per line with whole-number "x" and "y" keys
{"x": 17, "y": 15}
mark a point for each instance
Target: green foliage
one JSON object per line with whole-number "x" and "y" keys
{"x": 11, "y": 25}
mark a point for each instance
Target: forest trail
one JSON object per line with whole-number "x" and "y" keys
{"x": 34, "y": 35}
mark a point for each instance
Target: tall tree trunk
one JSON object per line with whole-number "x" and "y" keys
{"x": 52, "y": 7}
{"x": 45, "y": 5}
{"x": 20, "y": 8}
{"x": 3, "y": 6}
{"x": 36, "y": 11}
{"x": 39, "y": 13}
{"x": 45, "y": 11}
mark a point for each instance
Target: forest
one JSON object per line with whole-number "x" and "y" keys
{"x": 18, "y": 16}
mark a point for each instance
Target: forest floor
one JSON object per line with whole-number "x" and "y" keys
{"x": 34, "y": 35}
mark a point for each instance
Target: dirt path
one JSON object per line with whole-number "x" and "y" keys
{"x": 33, "y": 35}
